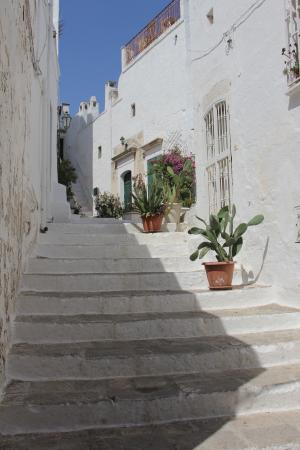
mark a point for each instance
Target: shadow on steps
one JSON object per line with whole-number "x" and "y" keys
{"x": 143, "y": 381}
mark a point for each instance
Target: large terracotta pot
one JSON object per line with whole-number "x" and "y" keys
{"x": 219, "y": 274}
{"x": 152, "y": 224}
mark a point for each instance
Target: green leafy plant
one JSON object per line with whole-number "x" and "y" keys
{"x": 108, "y": 205}
{"x": 66, "y": 172}
{"x": 146, "y": 203}
{"x": 178, "y": 181}
{"x": 221, "y": 236}
{"x": 176, "y": 170}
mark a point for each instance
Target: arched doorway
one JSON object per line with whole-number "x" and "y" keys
{"x": 127, "y": 189}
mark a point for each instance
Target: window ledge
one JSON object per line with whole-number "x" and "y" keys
{"x": 294, "y": 88}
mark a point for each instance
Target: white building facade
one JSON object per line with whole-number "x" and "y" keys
{"x": 149, "y": 107}
{"x": 211, "y": 78}
{"x": 247, "y": 116}
{"x": 29, "y": 193}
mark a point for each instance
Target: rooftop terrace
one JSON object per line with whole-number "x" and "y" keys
{"x": 164, "y": 20}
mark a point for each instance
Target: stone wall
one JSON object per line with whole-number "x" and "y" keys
{"x": 24, "y": 132}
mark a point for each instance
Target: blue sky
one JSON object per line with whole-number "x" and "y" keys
{"x": 93, "y": 33}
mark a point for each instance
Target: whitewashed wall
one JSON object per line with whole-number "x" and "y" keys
{"x": 102, "y": 166}
{"x": 79, "y": 144}
{"x": 28, "y": 174}
{"x": 158, "y": 82}
{"x": 264, "y": 125}
{"x": 173, "y": 84}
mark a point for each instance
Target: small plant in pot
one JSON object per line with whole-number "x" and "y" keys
{"x": 176, "y": 171}
{"x": 174, "y": 187}
{"x": 150, "y": 205}
{"x": 226, "y": 241}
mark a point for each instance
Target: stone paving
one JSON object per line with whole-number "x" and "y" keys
{"x": 123, "y": 368}
{"x": 276, "y": 431}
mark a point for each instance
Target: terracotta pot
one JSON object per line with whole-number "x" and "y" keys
{"x": 219, "y": 274}
{"x": 152, "y": 224}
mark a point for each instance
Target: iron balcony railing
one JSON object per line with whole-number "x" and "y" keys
{"x": 164, "y": 20}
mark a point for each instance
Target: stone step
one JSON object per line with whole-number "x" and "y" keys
{"x": 119, "y": 281}
{"x": 79, "y": 404}
{"x": 95, "y": 360}
{"x": 53, "y": 237}
{"x": 133, "y": 265}
{"x": 113, "y": 302}
{"x": 111, "y": 251}
{"x": 105, "y": 282}
{"x": 264, "y": 431}
{"x": 67, "y": 328}
{"x": 87, "y": 225}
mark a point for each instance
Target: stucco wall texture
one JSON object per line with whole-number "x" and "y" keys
{"x": 234, "y": 57}
{"x": 21, "y": 159}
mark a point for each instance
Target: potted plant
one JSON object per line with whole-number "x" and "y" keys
{"x": 226, "y": 241}
{"x": 174, "y": 191}
{"x": 108, "y": 205}
{"x": 291, "y": 68}
{"x": 150, "y": 205}
{"x": 176, "y": 171}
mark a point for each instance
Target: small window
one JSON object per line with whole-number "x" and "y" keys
{"x": 85, "y": 107}
{"x": 133, "y": 110}
{"x": 210, "y": 16}
{"x": 99, "y": 151}
{"x": 94, "y": 104}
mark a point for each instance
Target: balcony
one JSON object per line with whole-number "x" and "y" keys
{"x": 164, "y": 20}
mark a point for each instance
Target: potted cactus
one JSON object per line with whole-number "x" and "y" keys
{"x": 150, "y": 205}
{"x": 226, "y": 241}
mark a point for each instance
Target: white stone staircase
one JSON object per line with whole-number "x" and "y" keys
{"x": 118, "y": 344}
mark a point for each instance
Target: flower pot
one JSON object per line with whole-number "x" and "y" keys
{"x": 219, "y": 274}
{"x": 172, "y": 214}
{"x": 152, "y": 224}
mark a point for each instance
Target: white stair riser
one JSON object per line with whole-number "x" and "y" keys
{"x": 188, "y": 405}
{"x": 151, "y": 329}
{"x": 77, "y": 366}
{"x": 93, "y": 226}
{"x": 177, "y": 264}
{"x": 115, "y": 282}
{"x": 102, "y": 239}
{"x": 123, "y": 304}
{"x": 115, "y": 251}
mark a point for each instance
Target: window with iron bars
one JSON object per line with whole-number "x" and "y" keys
{"x": 291, "y": 53}
{"x": 218, "y": 155}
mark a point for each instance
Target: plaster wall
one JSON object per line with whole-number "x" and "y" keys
{"x": 158, "y": 83}
{"x": 102, "y": 166}
{"x": 264, "y": 122}
{"x": 79, "y": 145}
{"x": 28, "y": 100}
{"x": 173, "y": 84}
